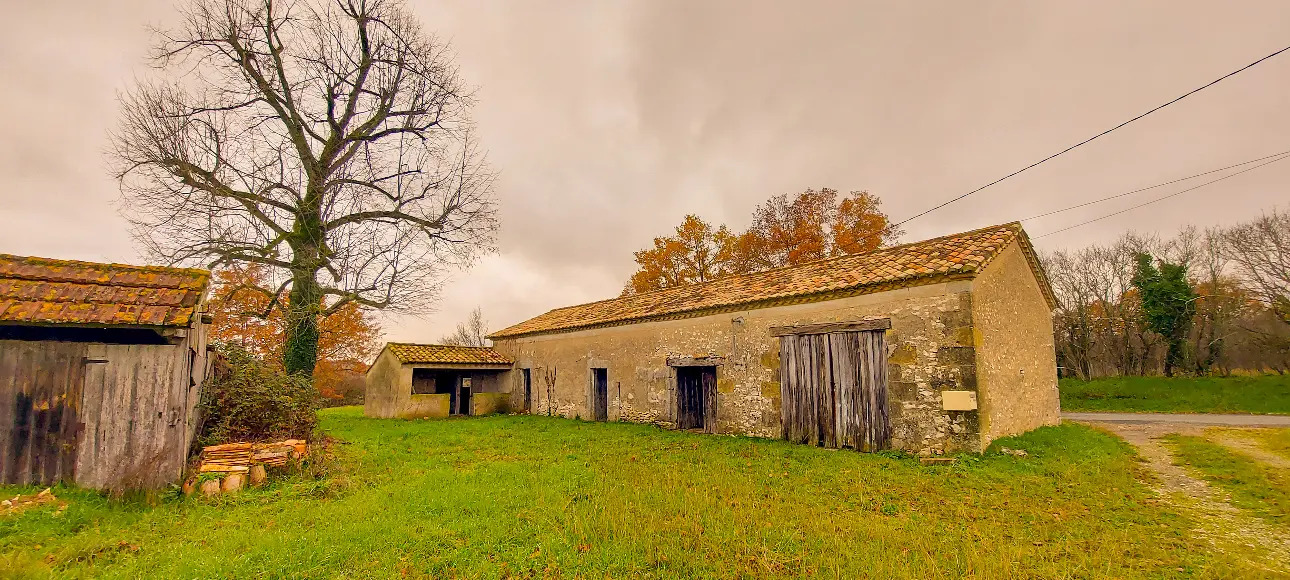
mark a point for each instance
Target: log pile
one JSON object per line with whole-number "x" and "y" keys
{"x": 228, "y": 458}
{"x": 232, "y": 465}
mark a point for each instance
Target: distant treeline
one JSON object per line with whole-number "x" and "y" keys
{"x": 1235, "y": 315}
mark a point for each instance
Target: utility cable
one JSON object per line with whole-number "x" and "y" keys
{"x": 1090, "y": 139}
{"x": 1117, "y": 196}
{"x": 1177, "y": 193}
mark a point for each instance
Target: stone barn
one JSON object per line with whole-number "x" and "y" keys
{"x": 412, "y": 381}
{"x": 101, "y": 370}
{"x": 931, "y": 347}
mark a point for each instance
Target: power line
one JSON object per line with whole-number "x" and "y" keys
{"x": 1090, "y": 139}
{"x": 1177, "y": 193}
{"x": 1117, "y": 196}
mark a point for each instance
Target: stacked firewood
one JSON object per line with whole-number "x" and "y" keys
{"x": 230, "y": 466}
{"x": 228, "y": 458}
{"x": 278, "y": 454}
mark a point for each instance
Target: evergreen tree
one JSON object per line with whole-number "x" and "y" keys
{"x": 1169, "y": 302}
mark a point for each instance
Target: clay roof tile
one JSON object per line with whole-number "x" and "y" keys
{"x": 70, "y": 292}
{"x": 446, "y": 354}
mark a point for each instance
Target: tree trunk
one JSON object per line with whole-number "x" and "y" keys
{"x": 1173, "y": 354}
{"x": 300, "y": 353}
{"x": 304, "y": 303}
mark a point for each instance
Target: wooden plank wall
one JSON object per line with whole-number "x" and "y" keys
{"x": 199, "y": 369}
{"x": 833, "y": 389}
{"x": 40, "y": 394}
{"x": 103, "y": 416}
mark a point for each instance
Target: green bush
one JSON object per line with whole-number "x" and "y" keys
{"x": 248, "y": 399}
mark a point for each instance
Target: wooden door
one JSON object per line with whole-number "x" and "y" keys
{"x": 696, "y": 398}
{"x": 134, "y": 405}
{"x": 689, "y": 398}
{"x": 528, "y": 389}
{"x": 833, "y": 389}
{"x": 600, "y": 394}
{"x": 708, "y": 382}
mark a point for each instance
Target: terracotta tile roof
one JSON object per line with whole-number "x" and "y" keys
{"x": 44, "y": 291}
{"x": 442, "y": 353}
{"x": 957, "y": 255}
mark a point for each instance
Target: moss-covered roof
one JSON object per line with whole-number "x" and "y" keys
{"x": 46, "y": 291}
{"x": 960, "y": 255}
{"x": 445, "y": 354}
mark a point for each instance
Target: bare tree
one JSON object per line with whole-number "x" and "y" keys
{"x": 327, "y": 139}
{"x": 1260, "y": 251}
{"x": 471, "y": 332}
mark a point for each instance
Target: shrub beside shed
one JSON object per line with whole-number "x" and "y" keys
{"x": 101, "y": 369}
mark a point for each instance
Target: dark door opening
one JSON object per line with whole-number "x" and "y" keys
{"x": 438, "y": 382}
{"x": 600, "y": 394}
{"x": 528, "y": 389}
{"x": 463, "y": 397}
{"x": 696, "y": 398}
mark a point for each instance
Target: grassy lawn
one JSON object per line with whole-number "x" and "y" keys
{"x": 1254, "y": 486}
{"x": 499, "y": 497}
{"x": 1265, "y": 394}
{"x": 1275, "y": 440}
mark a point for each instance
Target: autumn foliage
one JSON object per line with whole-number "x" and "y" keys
{"x": 811, "y": 225}
{"x": 245, "y": 317}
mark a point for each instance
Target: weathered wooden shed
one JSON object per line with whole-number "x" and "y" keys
{"x": 413, "y": 381}
{"x": 936, "y": 346}
{"x": 101, "y": 367}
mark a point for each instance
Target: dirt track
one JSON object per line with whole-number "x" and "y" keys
{"x": 1217, "y": 519}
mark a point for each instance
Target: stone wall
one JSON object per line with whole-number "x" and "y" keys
{"x": 388, "y": 386}
{"x": 389, "y": 390}
{"x": 931, "y": 346}
{"x": 424, "y": 407}
{"x": 1017, "y": 368}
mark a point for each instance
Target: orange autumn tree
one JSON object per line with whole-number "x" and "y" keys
{"x": 252, "y": 320}
{"x": 785, "y": 231}
{"x": 690, "y": 256}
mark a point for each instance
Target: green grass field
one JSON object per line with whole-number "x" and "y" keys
{"x": 536, "y": 497}
{"x": 1265, "y": 394}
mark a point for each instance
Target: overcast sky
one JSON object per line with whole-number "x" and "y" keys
{"x": 609, "y": 121}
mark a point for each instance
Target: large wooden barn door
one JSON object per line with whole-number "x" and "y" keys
{"x": 40, "y": 395}
{"x": 833, "y": 389}
{"x": 133, "y": 416}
